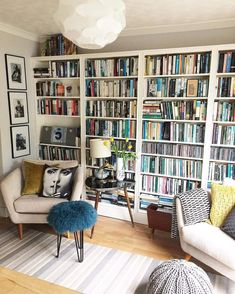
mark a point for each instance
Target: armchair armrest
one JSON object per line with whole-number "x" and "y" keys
{"x": 179, "y": 214}
{"x": 11, "y": 187}
{"x": 78, "y": 184}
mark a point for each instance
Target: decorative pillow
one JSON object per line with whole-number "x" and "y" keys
{"x": 33, "y": 175}
{"x": 229, "y": 225}
{"x": 58, "y": 182}
{"x": 222, "y": 202}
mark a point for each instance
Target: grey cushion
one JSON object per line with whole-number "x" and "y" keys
{"x": 229, "y": 225}
{"x": 35, "y": 204}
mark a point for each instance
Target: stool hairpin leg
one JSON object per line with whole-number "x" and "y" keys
{"x": 59, "y": 237}
{"x": 79, "y": 245}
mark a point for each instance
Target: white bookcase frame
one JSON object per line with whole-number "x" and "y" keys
{"x": 117, "y": 211}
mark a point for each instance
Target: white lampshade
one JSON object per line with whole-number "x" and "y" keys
{"x": 91, "y": 24}
{"x": 100, "y": 148}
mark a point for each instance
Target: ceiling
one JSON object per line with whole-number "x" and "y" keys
{"x": 143, "y": 16}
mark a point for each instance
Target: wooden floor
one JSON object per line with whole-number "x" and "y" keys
{"x": 121, "y": 235}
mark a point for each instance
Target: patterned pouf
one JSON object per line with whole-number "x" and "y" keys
{"x": 72, "y": 216}
{"x": 179, "y": 276}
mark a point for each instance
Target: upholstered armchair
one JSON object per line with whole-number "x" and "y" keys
{"x": 32, "y": 208}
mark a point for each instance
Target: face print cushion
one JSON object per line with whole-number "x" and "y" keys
{"x": 58, "y": 182}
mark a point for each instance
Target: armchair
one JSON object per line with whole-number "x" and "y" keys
{"x": 32, "y": 208}
{"x": 207, "y": 243}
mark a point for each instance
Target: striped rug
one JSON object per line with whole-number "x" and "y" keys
{"x": 103, "y": 271}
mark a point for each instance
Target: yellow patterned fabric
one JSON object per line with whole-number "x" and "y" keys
{"x": 222, "y": 202}
{"x": 33, "y": 175}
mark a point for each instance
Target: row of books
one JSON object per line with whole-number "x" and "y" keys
{"x": 116, "y": 88}
{"x": 172, "y": 131}
{"x": 218, "y": 172}
{"x": 224, "y": 111}
{"x": 58, "y": 153}
{"x": 226, "y": 62}
{"x": 223, "y": 135}
{"x": 226, "y": 87}
{"x": 196, "y": 63}
{"x": 221, "y": 153}
{"x": 166, "y": 185}
{"x": 64, "y": 68}
{"x": 181, "y": 87}
{"x": 111, "y": 108}
{"x": 189, "y": 110}
{"x": 110, "y": 198}
{"x": 173, "y": 149}
{"x": 171, "y": 166}
{"x": 121, "y": 144}
{"x": 58, "y": 45}
{"x": 58, "y": 106}
{"x": 120, "y": 128}
{"x": 123, "y": 66}
{"x": 55, "y": 88}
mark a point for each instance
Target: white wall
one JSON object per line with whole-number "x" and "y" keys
{"x": 11, "y": 44}
{"x": 170, "y": 40}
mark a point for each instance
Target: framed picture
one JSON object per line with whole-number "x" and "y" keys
{"x": 192, "y": 87}
{"x": 16, "y": 76}
{"x": 20, "y": 141}
{"x": 18, "y": 107}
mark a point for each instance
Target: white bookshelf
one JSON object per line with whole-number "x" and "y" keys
{"x": 142, "y": 79}
{"x": 55, "y": 109}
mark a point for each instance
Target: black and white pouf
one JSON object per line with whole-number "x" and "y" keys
{"x": 179, "y": 277}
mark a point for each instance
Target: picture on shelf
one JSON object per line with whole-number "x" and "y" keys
{"x": 59, "y": 135}
{"x": 18, "y": 107}
{"x": 20, "y": 141}
{"x": 16, "y": 76}
{"x": 192, "y": 87}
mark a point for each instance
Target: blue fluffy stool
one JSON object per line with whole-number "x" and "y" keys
{"x": 72, "y": 216}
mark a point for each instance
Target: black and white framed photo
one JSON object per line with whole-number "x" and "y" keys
{"x": 20, "y": 141}
{"x": 18, "y": 106}
{"x": 16, "y": 75}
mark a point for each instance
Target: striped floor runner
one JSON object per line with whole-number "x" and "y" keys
{"x": 103, "y": 271}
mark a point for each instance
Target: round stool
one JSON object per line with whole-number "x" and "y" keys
{"x": 72, "y": 216}
{"x": 179, "y": 276}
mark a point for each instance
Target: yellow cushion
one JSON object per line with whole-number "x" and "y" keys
{"x": 33, "y": 175}
{"x": 222, "y": 202}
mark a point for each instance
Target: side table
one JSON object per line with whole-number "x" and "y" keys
{"x": 108, "y": 186}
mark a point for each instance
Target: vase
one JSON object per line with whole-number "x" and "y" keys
{"x": 120, "y": 172}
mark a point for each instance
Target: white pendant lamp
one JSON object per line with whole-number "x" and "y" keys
{"x": 91, "y": 24}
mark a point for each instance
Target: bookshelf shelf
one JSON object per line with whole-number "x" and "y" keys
{"x": 56, "y": 78}
{"x": 222, "y": 161}
{"x": 226, "y": 74}
{"x": 175, "y": 98}
{"x": 171, "y": 156}
{"x": 177, "y": 76}
{"x": 115, "y": 138}
{"x": 111, "y": 78}
{"x": 58, "y": 97}
{"x": 111, "y": 98}
{"x": 172, "y": 142}
{"x": 170, "y": 176}
{"x": 224, "y": 98}
{"x": 155, "y": 193}
{"x": 60, "y": 146}
{"x": 58, "y": 115}
{"x": 111, "y": 118}
{"x": 223, "y": 145}
{"x": 174, "y": 120}
{"x": 228, "y": 123}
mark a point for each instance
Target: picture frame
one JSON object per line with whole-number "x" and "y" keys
{"x": 18, "y": 107}
{"x": 20, "y": 141}
{"x": 192, "y": 87}
{"x": 16, "y": 73}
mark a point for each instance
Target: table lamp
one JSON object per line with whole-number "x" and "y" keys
{"x": 101, "y": 149}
